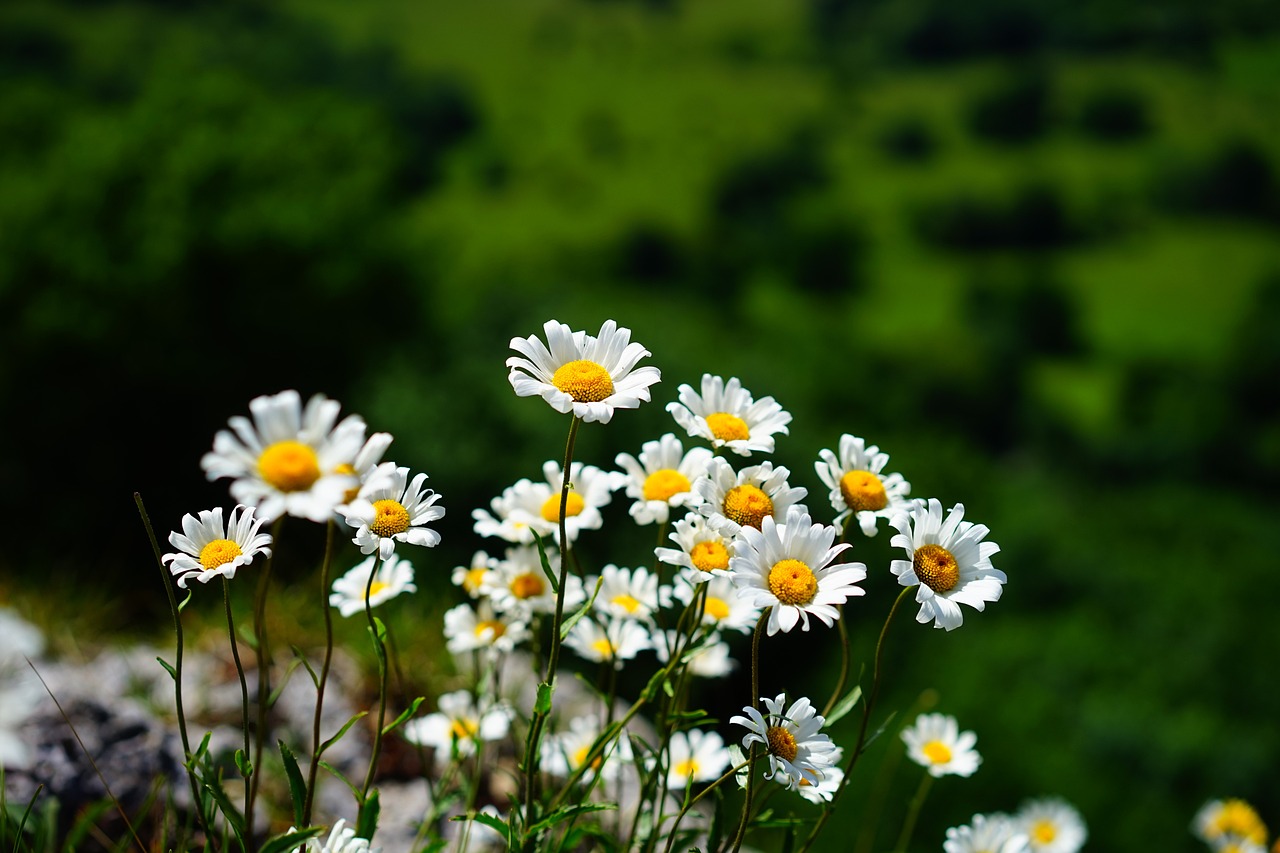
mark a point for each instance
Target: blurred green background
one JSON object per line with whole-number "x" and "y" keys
{"x": 1032, "y": 250}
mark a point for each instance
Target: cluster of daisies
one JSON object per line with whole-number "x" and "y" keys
{"x": 1232, "y": 826}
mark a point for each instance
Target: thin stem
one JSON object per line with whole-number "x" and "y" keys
{"x": 324, "y": 675}
{"x": 671, "y": 838}
{"x": 844, "y": 663}
{"x": 909, "y": 825}
{"x": 751, "y": 758}
{"x": 244, "y": 700}
{"x": 380, "y": 652}
{"x": 263, "y": 652}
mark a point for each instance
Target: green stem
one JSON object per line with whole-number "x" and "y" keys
{"x": 671, "y": 837}
{"x": 909, "y": 825}
{"x": 751, "y": 758}
{"x": 380, "y": 652}
{"x": 263, "y": 652}
{"x": 244, "y": 700}
{"x": 324, "y": 675}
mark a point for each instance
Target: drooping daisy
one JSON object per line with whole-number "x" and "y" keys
{"x": 615, "y": 641}
{"x": 697, "y": 755}
{"x": 458, "y": 726}
{"x": 947, "y": 561}
{"x": 342, "y": 839}
{"x": 723, "y": 607}
{"x": 575, "y": 372}
{"x": 725, "y": 415}
{"x": 528, "y": 506}
{"x": 825, "y": 790}
{"x": 858, "y": 485}
{"x": 704, "y": 551}
{"x": 626, "y": 593}
{"x": 518, "y": 585}
{"x": 708, "y": 658}
{"x": 1222, "y": 819}
{"x": 565, "y": 751}
{"x": 1052, "y": 826}
{"x": 289, "y": 459}
{"x": 986, "y": 834}
{"x": 393, "y": 577}
{"x": 745, "y": 499}
{"x": 796, "y": 745}
{"x": 935, "y": 742}
{"x": 391, "y": 509}
{"x": 469, "y": 630}
{"x": 471, "y": 577}
{"x": 662, "y": 478}
{"x": 210, "y": 549}
{"x": 789, "y": 568}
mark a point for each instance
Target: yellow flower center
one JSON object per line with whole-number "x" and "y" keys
{"x": 709, "y": 556}
{"x": 219, "y": 552}
{"x": 350, "y": 470}
{"x": 493, "y": 625}
{"x": 584, "y": 381}
{"x": 782, "y": 743}
{"x": 727, "y": 427}
{"x": 289, "y": 466}
{"x": 792, "y": 582}
{"x": 1237, "y": 817}
{"x": 716, "y": 608}
{"x": 936, "y": 751}
{"x": 863, "y": 491}
{"x": 572, "y": 507}
{"x": 687, "y": 768}
{"x": 389, "y": 518}
{"x": 1044, "y": 831}
{"x": 747, "y": 505}
{"x": 377, "y": 587}
{"x": 626, "y": 602}
{"x": 527, "y": 585}
{"x": 663, "y": 484}
{"x": 604, "y": 648}
{"x": 936, "y": 567}
{"x": 464, "y": 729}
{"x": 473, "y": 578}
{"x": 581, "y": 756}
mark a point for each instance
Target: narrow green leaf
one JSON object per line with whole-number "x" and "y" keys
{"x": 284, "y": 682}
{"x": 85, "y": 824}
{"x": 167, "y": 668}
{"x": 404, "y": 716}
{"x": 297, "y": 787}
{"x": 187, "y": 600}
{"x": 342, "y": 731}
{"x": 546, "y": 564}
{"x": 493, "y": 822}
{"x": 247, "y": 637}
{"x": 542, "y": 705}
{"x": 290, "y": 840}
{"x": 315, "y": 679}
{"x": 235, "y": 820}
{"x": 651, "y": 689}
{"x": 243, "y": 764}
{"x": 337, "y": 774}
{"x": 563, "y": 814}
{"x": 845, "y": 705}
{"x": 367, "y": 820}
{"x": 879, "y": 731}
{"x": 201, "y": 751}
{"x": 568, "y": 624}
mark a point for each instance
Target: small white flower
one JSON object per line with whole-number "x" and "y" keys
{"x": 858, "y": 486}
{"x": 947, "y": 561}
{"x": 704, "y": 551}
{"x": 472, "y": 577}
{"x": 986, "y": 834}
{"x": 725, "y": 415}
{"x": 566, "y": 751}
{"x": 209, "y": 549}
{"x": 626, "y": 593}
{"x": 794, "y": 740}
{"x": 1052, "y": 826}
{"x": 662, "y": 478}
{"x": 527, "y": 507}
{"x": 393, "y": 577}
{"x": 391, "y": 509}
{"x": 695, "y": 756}
{"x": 1229, "y": 821}
{"x": 460, "y": 724}
{"x": 708, "y": 658}
{"x": 575, "y": 372}
{"x": 616, "y": 641}
{"x": 468, "y": 630}
{"x": 518, "y": 587}
{"x": 732, "y": 501}
{"x": 723, "y": 607}
{"x": 936, "y": 743}
{"x": 341, "y": 840}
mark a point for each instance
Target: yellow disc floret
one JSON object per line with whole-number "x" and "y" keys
{"x": 473, "y": 578}
{"x": 792, "y": 582}
{"x": 863, "y": 491}
{"x": 687, "y": 769}
{"x": 527, "y": 586}
{"x": 551, "y": 507}
{"x": 727, "y": 427}
{"x": 937, "y": 752}
{"x": 709, "y": 556}
{"x": 936, "y": 567}
{"x": 1044, "y": 831}
{"x": 464, "y": 729}
{"x": 1236, "y": 817}
{"x": 716, "y": 608}
{"x": 664, "y": 484}
{"x": 289, "y": 466}
{"x": 389, "y": 518}
{"x": 604, "y": 648}
{"x": 377, "y": 587}
{"x": 218, "y": 552}
{"x": 626, "y": 602}
{"x": 782, "y": 743}
{"x": 584, "y": 381}
{"x": 747, "y": 505}
{"x": 493, "y": 625}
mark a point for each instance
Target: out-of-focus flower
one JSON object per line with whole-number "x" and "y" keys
{"x": 723, "y": 607}
{"x": 472, "y": 577}
{"x": 210, "y": 549}
{"x": 936, "y": 743}
{"x": 527, "y": 507}
{"x": 858, "y": 485}
{"x": 390, "y": 509}
{"x": 725, "y": 415}
{"x": 468, "y": 630}
{"x": 1222, "y": 819}
{"x": 393, "y": 577}
{"x": 1052, "y": 826}
{"x": 568, "y": 750}
{"x": 986, "y": 834}
{"x": 518, "y": 585}
{"x": 662, "y": 478}
{"x": 695, "y": 756}
{"x": 616, "y": 641}
{"x": 626, "y": 593}
{"x": 460, "y": 724}
{"x": 342, "y": 839}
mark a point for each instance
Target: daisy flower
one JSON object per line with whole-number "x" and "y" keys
{"x": 1232, "y": 818}
{"x": 935, "y": 742}
{"x": 947, "y": 561}
{"x": 517, "y": 584}
{"x": 796, "y": 746}
{"x": 615, "y": 641}
{"x": 575, "y": 372}
{"x": 710, "y": 658}
{"x": 626, "y": 593}
{"x": 342, "y": 839}
{"x": 858, "y": 485}
{"x": 209, "y": 549}
{"x": 566, "y": 751}
{"x": 289, "y": 459}
{"x": 986, "y": 834}
{"x": 468, "y": 630}
{"x": 723, "y": 608}
{"x": 734, "y": 501}
{"x": 695, "y": 756}
{"x": 527, "y": 507}
{"x": 1052, "y": 826}
{"x": 725, "y": 415}
{"x": 788, "y": 568}
{"x": 472, "y": 577}
{"x": 459, "y": 723}
{"x": 393, "y": 577}
{"x": 662, "y": 478}
{"x": 704, "y": 551}
{"x": 825, "y": 790}
{"x": 391, "y": 509}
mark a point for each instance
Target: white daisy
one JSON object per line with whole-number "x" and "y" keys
{"x": 1237, "y": 844}
{"x": 697, "y": 755}
{"x": 1052, "y": 826}
{"x": 460, "y": 723}
{"x": 342, "y": 839}
{"x": 472, "y": 577}
{"x": 528, "y": 506}
{"x": 209, "y": 549}
{"x": 788, "y": 567}
{"x": 393, "y": 577}
{"x": 626, "y": 593}
{"x": 1221, "y": 821}
{"x": 725, "y": 415}
{"x": 723, "y": 608}
{"x": 615, "y": 641}
{"x": 468, "y": 630}
{"x": 289, "y": 459}
{"x": 565, "y": 751}
{"x": 825, "y": 790}
{"x": 391, "y": 509}
{"x": 704, "y": 551}
{"x": 986, "y": 834}
{"x": 709, "y": 658}
{"x": 575, "y": 372}
{"x": 947, "y": 561}
{"x": 796, "y": 746}
{"x": 518, "y": 586}
{"x": 935, "y": 742}
{"x": 662, "y": 478}
{"x": 734, "y": 501}
{"x": 858, "y": 486}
